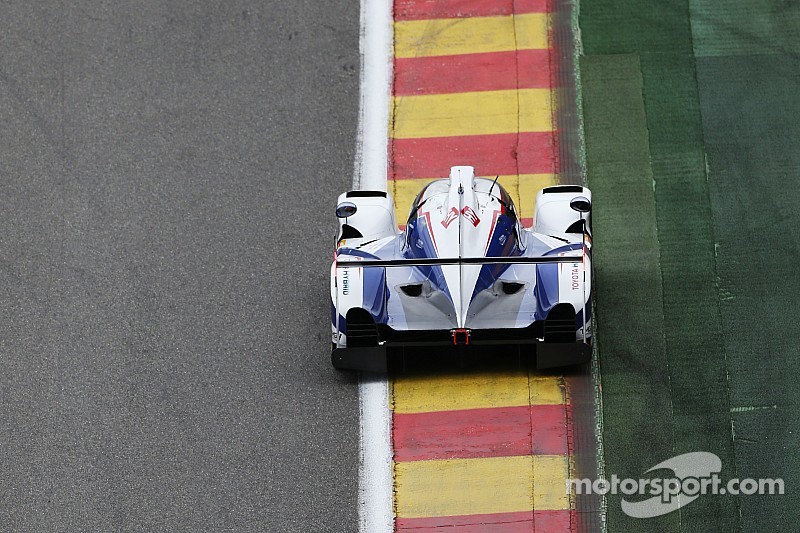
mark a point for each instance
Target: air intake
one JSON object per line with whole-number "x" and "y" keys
{"x": 366, "y": 194}
{"x": 349, "y": 232}
{"x": 361, "y": 330}
{"x": 414, "y": 289}
{"x": 576, "y": 227}
{"x": 562, "y": 188}
{"x": 512, "y": 287}
{"x": 560, "y": 324}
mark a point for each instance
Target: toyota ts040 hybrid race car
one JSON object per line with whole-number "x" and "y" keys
{"x": 463, "y": 275}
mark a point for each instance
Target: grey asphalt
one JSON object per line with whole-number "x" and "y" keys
{"x": 167, "y": 178}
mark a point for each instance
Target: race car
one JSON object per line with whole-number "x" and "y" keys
{"x": 463, "y": 274}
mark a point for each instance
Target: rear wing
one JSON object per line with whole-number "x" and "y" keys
{"x": 514, "y": 260}
{"x": 572, "y": 256}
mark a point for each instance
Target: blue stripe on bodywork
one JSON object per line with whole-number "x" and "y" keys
{"x": 498, "y": 247}
{"x": 566, "y": 248}
{"x": 546, "y": 289}
{"x": 342, "y": 322}
{"x": 355, "y": 253}
{"x": 419, "y": 245}
{"x": 376, "y": 294}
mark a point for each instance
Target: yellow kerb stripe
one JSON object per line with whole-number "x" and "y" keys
{"x": 473, "y": 113}
{"x": 550, "y": 474}
{"x": 522, "y": 188}
{"x": 419, "y": 394}
{"x": 473, "y": 35}
{"x": 529, "y": 187}
{"x": 480, "y": 486}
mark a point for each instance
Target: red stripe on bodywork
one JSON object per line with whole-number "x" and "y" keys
{"x": 472, "y": 433}
{"x": 503, "y": 154}
{"x": 445, "y": 9}
{"x": 527, "y": 521}
{"x": 427, "y": 216}
{"x": 490, "y": 71}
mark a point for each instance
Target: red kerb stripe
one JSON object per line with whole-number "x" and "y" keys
{"x": 544, "y": 521}
{"x": 490, "y": 71}
{"x": 471, "y": 433}
{"x": 503, "y": 154}
{"x": 442, "y": 9}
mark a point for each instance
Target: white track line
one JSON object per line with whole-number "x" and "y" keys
{"x": 375, "y": 514}
{"x": 375, "y": 510}
{"x": 376, "y": 44}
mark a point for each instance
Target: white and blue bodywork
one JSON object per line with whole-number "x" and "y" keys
{"x": 464, "y": 272}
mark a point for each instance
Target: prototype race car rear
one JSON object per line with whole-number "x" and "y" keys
{"x": 463, "y": 274}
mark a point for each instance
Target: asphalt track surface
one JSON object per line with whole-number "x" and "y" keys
{"x": 167, "y": 177}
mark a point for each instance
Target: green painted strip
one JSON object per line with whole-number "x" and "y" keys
{"x": 637, "y": 412}
{"x": 748, "y": 79}
{"x": 745, "y": 27}
{"x": 660, "y": 34}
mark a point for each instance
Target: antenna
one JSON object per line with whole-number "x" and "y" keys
{"x": 493, "y": 184}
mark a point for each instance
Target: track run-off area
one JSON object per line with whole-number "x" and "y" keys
{"x": 463, "y": 83}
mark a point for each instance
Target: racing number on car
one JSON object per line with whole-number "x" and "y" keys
{"x": 451, "y": 216}
{"x": 468, "y": 213}
{"x": 471, "y": 215}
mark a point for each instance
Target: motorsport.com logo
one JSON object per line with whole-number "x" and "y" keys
{"x": 695, "y": 474}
